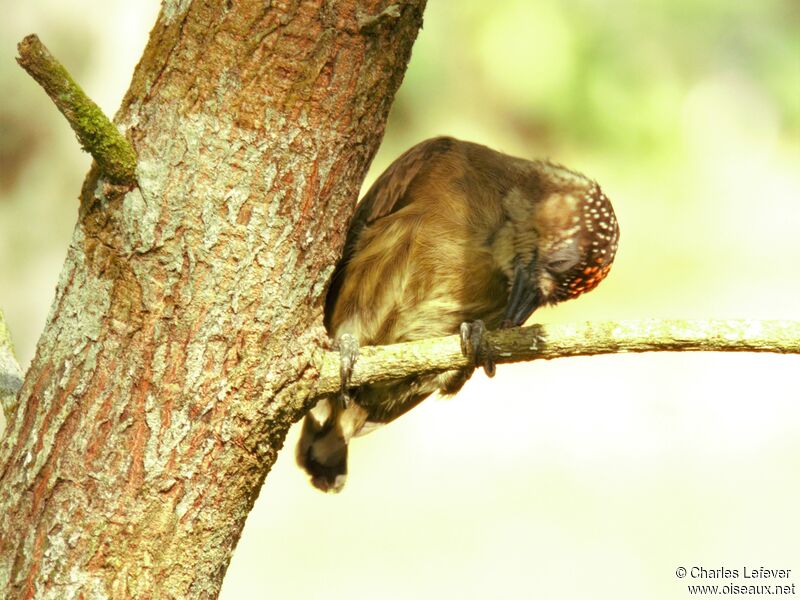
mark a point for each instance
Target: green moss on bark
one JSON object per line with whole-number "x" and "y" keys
{"x": 96, "y": 133}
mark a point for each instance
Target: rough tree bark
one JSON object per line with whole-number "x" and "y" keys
{"x": 182, "y": 340}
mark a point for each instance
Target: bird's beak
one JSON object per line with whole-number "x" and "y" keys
{"x": 524, "y": 298}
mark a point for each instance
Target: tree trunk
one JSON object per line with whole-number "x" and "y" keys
{"x": 182, "y": 341}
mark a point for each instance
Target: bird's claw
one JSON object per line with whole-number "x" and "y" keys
{"x": 348, "y": 355}
{"x": 475, "y": 347}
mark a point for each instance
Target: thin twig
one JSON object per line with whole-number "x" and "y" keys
{"x": 10, "y": 373}
{"x": 96, "y": 133}
{"x": 384, "y": 363}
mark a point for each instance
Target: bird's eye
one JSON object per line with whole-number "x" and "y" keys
{"x": 563, "y": 259}
{"x": 561, "y": 264}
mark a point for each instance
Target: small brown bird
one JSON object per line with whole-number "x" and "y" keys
{"x": 452, "y": 237}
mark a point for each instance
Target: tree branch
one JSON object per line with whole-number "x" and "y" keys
{"x": 10, "y": 373}
{"x": 96, "y": 133}
{"x": 384, "y": 363}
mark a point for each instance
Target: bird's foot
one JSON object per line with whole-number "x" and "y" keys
{"x": 475, "y": 347}
{"x": 348, "y": 355}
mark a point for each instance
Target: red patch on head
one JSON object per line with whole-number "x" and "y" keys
{"x": 581, "y": 285}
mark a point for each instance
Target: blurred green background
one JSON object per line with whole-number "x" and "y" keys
{"x": 577, "y": 478}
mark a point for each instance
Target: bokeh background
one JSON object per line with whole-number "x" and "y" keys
{"x": 576, "y": 478}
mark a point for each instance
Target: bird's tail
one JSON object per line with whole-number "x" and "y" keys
{"x": 322, "y": 449}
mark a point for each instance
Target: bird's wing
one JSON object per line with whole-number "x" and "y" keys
{"x": 386, "y": 196}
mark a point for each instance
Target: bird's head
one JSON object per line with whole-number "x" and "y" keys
{"x": 565, "y": 239}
